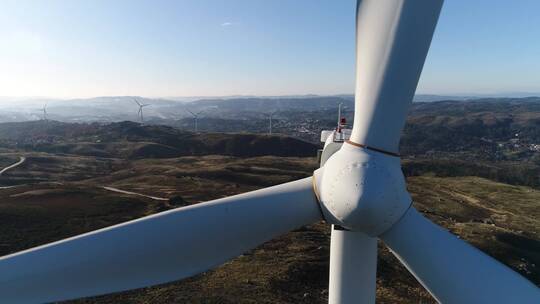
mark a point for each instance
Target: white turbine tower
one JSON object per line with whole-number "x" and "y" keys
{"x": 360, "y": 190}
{"x": 270, "y": 117}
{"x": 339, "y": 114}
{"x": 196, "y": 118}
{"x": 44, "y": 109}
{"x": 140, "y": 113}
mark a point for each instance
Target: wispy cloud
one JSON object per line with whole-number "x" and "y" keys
{"x": 226, "y": 24}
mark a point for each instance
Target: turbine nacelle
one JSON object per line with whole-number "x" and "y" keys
{"x": 362, "y": 190}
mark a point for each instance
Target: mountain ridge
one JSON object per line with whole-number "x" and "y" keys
{"x": 133, "y": 140}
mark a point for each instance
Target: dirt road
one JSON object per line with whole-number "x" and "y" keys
{"x": 135, "y": 193}
{"x": 20, "y": 162}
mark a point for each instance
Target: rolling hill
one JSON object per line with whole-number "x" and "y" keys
{"x": 135, "y": 141}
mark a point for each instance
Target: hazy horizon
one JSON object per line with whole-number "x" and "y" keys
{"x": 306, "y": 95}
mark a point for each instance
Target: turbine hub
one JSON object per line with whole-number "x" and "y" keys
{"x": 362, "y": 190}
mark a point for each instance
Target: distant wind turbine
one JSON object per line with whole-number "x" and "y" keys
{"x": 270, "y": 115}
{"x": 141, "y": 106}
{"x": 196, "y": 117}
{"x": 44, "y": 111}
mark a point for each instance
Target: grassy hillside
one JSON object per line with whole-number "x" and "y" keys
{"x": 6, "y": 160}
{"x": 502, "y": 220}
{"x": 525, "y": 173}
{"x": 485, "y": 128}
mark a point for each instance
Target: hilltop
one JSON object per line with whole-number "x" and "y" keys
{"x": 489, "y": 128}
{"x": 134, "y": 141}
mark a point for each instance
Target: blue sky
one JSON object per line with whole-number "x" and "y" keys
{"x": 76, "y": 48}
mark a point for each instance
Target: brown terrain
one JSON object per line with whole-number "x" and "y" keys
{"x": 52, "y": 196}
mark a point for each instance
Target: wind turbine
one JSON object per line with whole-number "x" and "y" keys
{"x": 339, "y": 114}
{"x": 196, "y": 117}
{"x": 44, "y": 109}
{"x": 270, "y": 116}
{"x": 341, "y": 123}
{"x": 360, "y": 190}
{"x": 140, "y": 113}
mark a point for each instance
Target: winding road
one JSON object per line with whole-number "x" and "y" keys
{"x": 23, "y": 159}
{"x": 134, "y": 193}
{"x": 20, "y": 162}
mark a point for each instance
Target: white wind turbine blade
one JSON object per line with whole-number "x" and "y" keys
{"x": 393, "y": 38}
{"x": 452, "y": 270}
{"x": 392, "y": 41}
{"x": 156, "y": 249}
{"x": 137, "y": 102}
